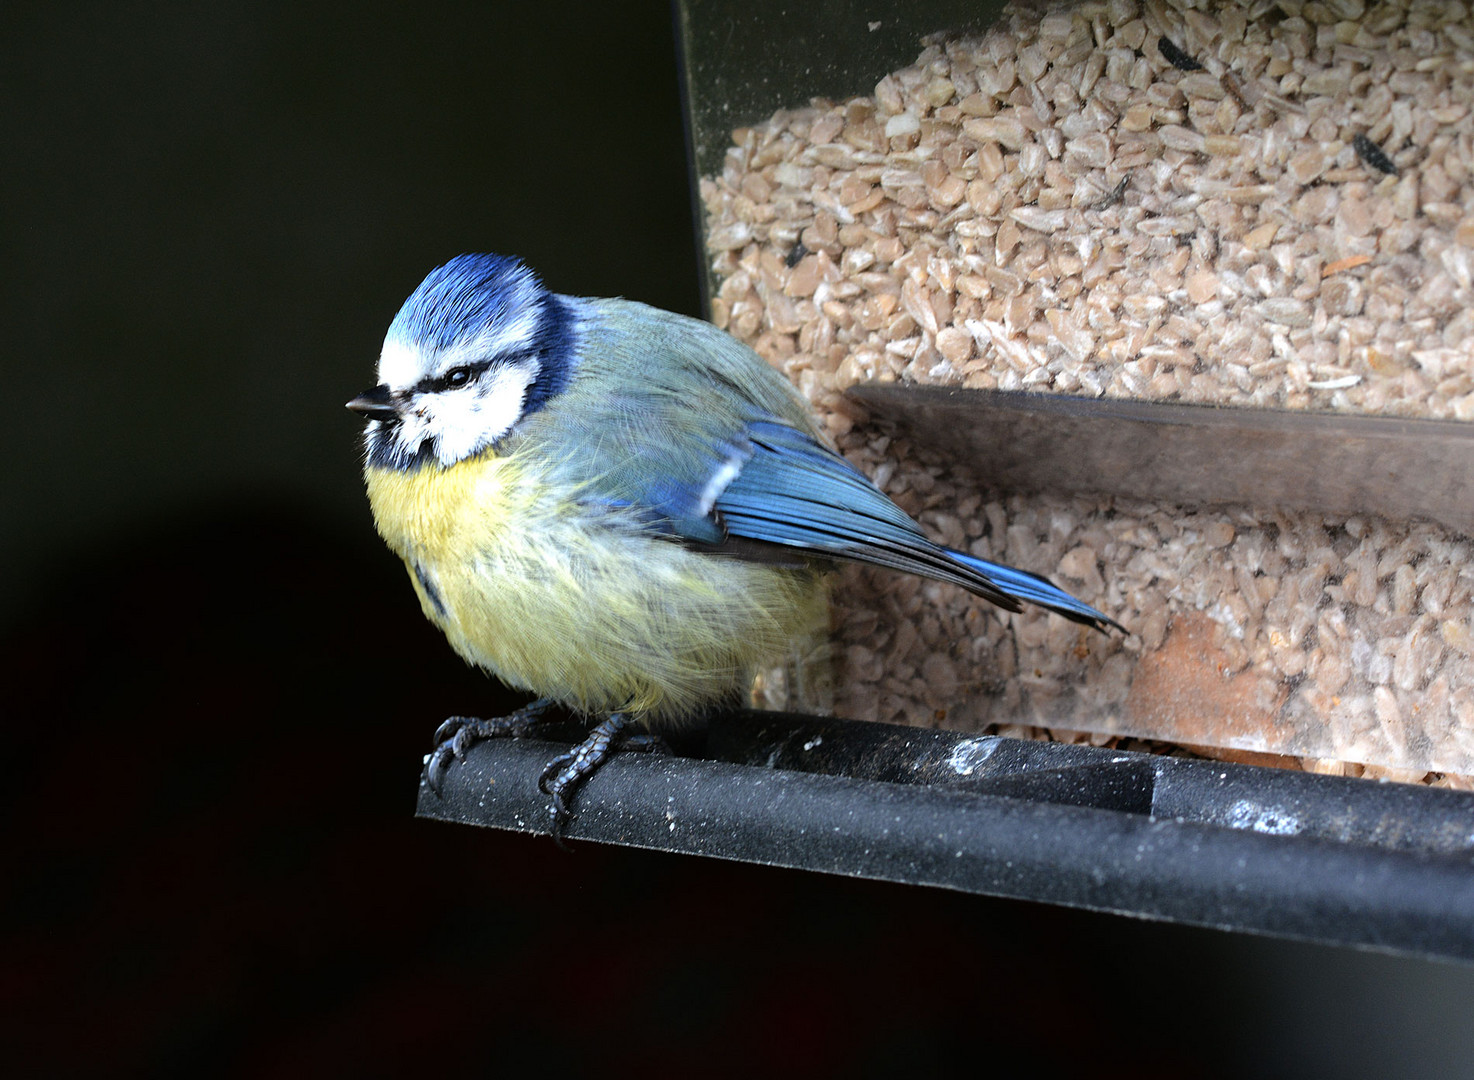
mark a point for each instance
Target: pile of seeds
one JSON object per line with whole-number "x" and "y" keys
{"x": 1058, "y": 207}
{"x": 1269, "y": 204}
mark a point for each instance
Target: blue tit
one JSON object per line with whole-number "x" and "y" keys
{"x": 621, "y": 510}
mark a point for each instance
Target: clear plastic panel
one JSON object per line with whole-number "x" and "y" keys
{"x": 1260, "y": 204}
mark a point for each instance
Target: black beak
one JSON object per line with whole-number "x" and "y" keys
{"x": 376, "y": 404}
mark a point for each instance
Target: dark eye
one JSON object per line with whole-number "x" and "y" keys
{"x": 453, "y": 379}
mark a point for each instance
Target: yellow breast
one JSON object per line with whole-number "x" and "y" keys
{"x": 579, "y": 602}
{"x": 429, "y": 513}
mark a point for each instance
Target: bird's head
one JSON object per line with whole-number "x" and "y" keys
{"x": 478, "y": 346}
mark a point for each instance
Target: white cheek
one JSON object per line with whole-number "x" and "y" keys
{"x": 469, "y": 420}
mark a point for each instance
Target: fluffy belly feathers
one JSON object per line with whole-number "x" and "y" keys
{"x": 581, "y": 603}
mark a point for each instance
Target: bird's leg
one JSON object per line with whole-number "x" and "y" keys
{"x": 568, "y": 770}
{"x": 459, "y": 733}
{"x": 564, "y": 773}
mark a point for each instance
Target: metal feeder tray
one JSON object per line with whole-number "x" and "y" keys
{"x": 1327, "y": 859}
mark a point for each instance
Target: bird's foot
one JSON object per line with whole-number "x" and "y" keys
{"x": 566, "y": 772}
{"x": 459, "y": 733}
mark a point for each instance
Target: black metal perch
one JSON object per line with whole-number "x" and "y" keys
{"x": 1327, "y": 859}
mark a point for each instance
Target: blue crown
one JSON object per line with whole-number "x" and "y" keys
{"x": 463, "y": 297}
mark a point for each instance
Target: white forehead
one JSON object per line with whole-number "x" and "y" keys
{"x": 473, "y": 309}
{"x": 400, "y": 364}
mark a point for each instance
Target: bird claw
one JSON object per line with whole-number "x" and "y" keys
{"x": 459, "y": 733}
{"x": 566, "y": 772}
{"x": 563, "y": 775}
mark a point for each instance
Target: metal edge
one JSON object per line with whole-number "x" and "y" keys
{"x": 1101, "y": 860}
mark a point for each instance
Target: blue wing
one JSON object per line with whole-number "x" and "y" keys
{"x": 711, "y": 446}
{"x": 794, "y": 492}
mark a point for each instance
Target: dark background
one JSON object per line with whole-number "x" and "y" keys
{"x": 218, "y": 686}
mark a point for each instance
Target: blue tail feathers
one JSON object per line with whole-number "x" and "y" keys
{"x": 1035, "y": 589}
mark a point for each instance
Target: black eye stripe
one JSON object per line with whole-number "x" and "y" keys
{"x": 462, "y": 374}
{"x": 456, "y": 376}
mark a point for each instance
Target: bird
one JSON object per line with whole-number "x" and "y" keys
{"x": 620, "y": 510}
